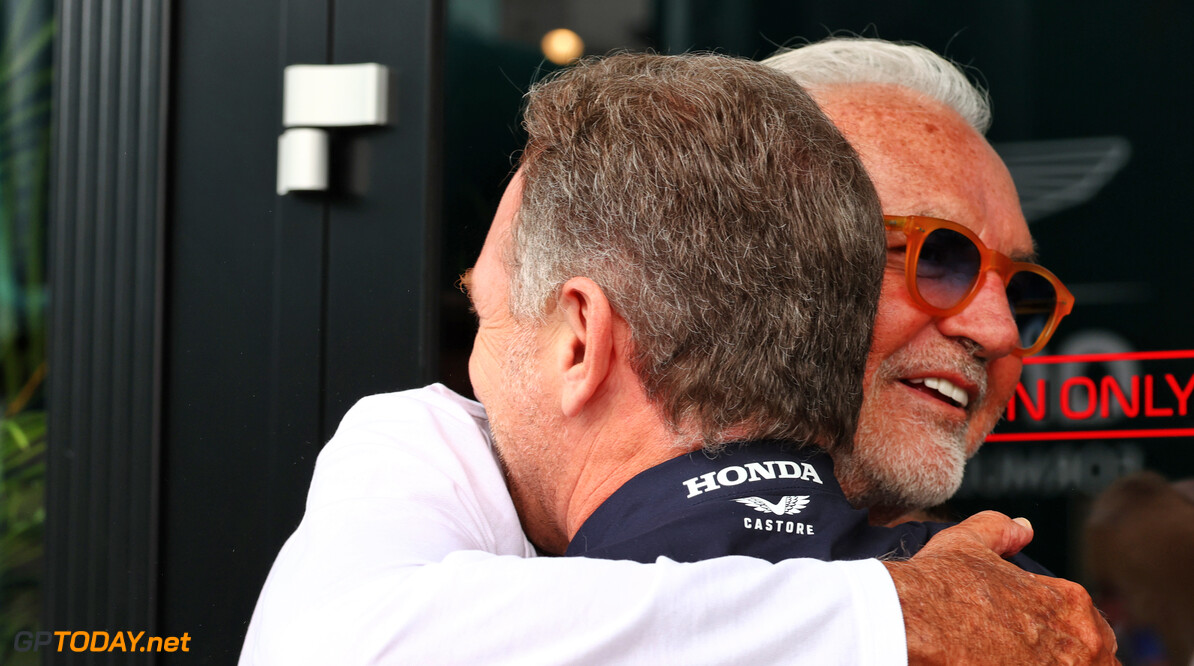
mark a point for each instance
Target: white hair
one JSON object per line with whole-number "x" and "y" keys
{"x": 854, "y": 60}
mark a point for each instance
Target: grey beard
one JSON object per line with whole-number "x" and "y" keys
{"x": 907, "y": 462}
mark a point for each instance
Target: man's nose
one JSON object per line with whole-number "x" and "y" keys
{"x": 987, "y": 320}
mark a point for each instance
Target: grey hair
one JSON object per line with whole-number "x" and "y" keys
{"x": 855, "y": 60}
{"x": 728, "y": 223}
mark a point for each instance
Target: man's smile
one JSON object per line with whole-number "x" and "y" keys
{"x": 940, "y": 388}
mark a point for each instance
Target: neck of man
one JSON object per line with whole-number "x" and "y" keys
{"x": 618, "y": 435}
{"x": 890, "y": 516}
{"x": 861, "y": 491}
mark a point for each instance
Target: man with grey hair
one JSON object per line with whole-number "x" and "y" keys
{"x": 404, "y": 559}
{"x": 711, "y": 212}
{"x": 939, "y": 375}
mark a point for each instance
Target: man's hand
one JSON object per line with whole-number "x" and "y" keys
{"x": 963, "y": 604}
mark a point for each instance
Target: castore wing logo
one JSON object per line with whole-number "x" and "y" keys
{"x": 787, "y": 505}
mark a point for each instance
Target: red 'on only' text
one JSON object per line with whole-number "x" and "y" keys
{"x": 1081, "y": 398}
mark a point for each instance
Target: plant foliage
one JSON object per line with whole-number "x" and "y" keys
{"x": 27, "y": 30}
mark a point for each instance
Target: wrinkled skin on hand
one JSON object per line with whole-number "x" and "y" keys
{"x": 964, "y": 604}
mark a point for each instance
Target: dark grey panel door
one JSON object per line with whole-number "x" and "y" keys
{"x": 281, "y": 311}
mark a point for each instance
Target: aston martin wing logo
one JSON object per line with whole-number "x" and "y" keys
{"x": 787, "y": 505}
{"x": 1054, "y": 175}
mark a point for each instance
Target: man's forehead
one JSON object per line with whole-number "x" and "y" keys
{"x": 924, "y": 159}
{"x": 487, "y": 281}
{"x": 511, "y": 197}
{"x": 498, "y": 238}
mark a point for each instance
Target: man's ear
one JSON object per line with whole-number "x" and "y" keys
{"x": 585, "y": 348}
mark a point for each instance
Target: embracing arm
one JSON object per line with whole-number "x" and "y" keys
{"x": 411, "y": 552}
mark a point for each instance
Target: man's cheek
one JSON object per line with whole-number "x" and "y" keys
{"x": 1002, "y": 378}
{"x": 897, "y": 322}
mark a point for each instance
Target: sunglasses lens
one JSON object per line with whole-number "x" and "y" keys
{"x": 1033, "y": 301}
{"x": 946, "y": 267}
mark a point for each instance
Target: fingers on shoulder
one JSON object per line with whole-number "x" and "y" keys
{"x": 990, "y": 530}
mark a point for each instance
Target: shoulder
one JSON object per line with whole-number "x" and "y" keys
{"x": 426, "y": 406}
{"x": 394, "y": 443}
{"x": 429, "y": 418}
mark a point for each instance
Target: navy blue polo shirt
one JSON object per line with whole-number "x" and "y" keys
{"x": 769, "y": 500}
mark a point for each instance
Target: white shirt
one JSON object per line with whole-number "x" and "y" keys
{"x": 411, "y": 552}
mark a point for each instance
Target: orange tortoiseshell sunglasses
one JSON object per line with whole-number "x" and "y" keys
{"x": 945, "y": 262}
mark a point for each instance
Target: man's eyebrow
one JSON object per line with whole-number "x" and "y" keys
{"x": 465, "y": 283}
{"x": 1027, "y": 257}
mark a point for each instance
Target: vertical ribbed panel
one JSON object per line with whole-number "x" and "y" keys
{"x": 106, "y": 231}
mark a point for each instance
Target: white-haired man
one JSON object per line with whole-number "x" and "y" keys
{"x": 935, "y": 384}
{"x": 416, "y": 564}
